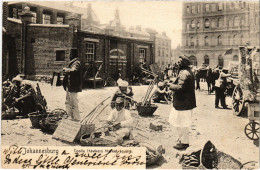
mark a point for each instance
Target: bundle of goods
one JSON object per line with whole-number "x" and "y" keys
{"x": 94, "y": 140}
{"x": 50, "y": 122}
{"x": 210, "y": 158}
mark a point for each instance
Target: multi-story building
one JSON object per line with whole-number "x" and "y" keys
{"x": 211, "y": 28}
{"x": 162, "y": 50}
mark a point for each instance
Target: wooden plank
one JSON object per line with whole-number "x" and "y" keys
{"x": 67, "y": 130}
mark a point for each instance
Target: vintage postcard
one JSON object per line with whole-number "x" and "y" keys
{"x": 130, "y": 85}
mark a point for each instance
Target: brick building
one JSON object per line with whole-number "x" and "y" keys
{"x": 116, "y": 53}
{"x": 40, "y": 44}
{"x": 211, "y": 28}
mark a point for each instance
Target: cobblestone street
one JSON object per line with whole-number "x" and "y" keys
{"x": 220, "y": 126}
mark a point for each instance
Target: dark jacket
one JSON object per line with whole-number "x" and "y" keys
{"x": 73, "y": 79}
{"x": 184, "y": 91}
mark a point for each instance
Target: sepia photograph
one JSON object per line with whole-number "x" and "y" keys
{"x": 130, "y": 84}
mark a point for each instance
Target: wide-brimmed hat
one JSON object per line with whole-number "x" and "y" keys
{"x": 122, "y": 83}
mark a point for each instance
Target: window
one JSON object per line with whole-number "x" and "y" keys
{"x": 163, "y": 52}
{"x": 242, "y": 21}
{"x": 220, "y": 6}
{"x": 241, "y": 39}
{"x": 220, "y": 22}
{"x": 235, "y": 58}
{"x": 34, "y": 18}
{"x": 230, "y": 22}
{"x": 187, "y": 42}
{"x": 74, "y": 53}
{"x": 236, "y": 21}
{"x": 198, "y": 24}
{"x": 197, "y": 43}
{"x": 46, "y": 19}
{"x": 214, "y": 7}
{"x": 60, "y": 55}
{"x": 206, "y": 60}
{"x": 207, "y": 7}
{"x": 193, "y": 60}
{"x": 193, "y": 9}
{"x": 213, "y": 23}
{"x": 142, "y": 55}
{"x": 206, "y": 41}
{"x": 188, "y": 26}
{"x": 229, "y": 40}
{"x": 198, "y": 9}
{"x": 191, "y": 41}
{"x": 206, "y": 23}
{"x": 193, "y": 24}
{"x": 90, "y": 51}
{"x": 219, "y": 40}
{"x": 220, "y": 61}
{"x": 60, "y": 20}
{"x": 188, "y": 9}
{"x": 159, "y": 51}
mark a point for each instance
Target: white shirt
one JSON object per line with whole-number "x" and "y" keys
{"x": 123, "y": 116}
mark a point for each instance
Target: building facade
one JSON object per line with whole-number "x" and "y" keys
{"x": 212, "y": 28}
{"x": 36, "y": 48}
{"x": 162, "y": 50}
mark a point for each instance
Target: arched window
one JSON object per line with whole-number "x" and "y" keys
{"x": 207, "y": 7}
{"x": 191, "y": 41}
{"x": 236, "y": 21}
{"x": 206, "y": 41}
{"x": 213, "y": 23}
{"x": 220, "y": 22}
{"x": 206, "y": 60}
{"x": 193, "y": 25}
{"x": 235, "y": 58}
{"x": 188, "y": 9}
{"x": 206, "y": 23}
{"x": 235, "y": 40}
{"x": 220, "y": 61}
{"x": 193, "y": 60}
{"x": 219, "y": 40}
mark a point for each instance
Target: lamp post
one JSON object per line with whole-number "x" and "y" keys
{"x": 26, "y": 18}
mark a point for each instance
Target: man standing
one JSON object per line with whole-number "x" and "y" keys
{"x": 183, "y": 102}
{"x": 72, "y": 84}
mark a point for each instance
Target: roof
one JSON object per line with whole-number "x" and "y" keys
{"x": 138, "y": 32}
{"x": 49, "y": 4}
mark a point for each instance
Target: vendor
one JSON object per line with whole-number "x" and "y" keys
{"x": 161, "y": 93}
{"x": 125, "y": 92}
{"x": 120, "y": 120}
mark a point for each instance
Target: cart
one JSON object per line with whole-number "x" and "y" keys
{"x": 246, "y": 92}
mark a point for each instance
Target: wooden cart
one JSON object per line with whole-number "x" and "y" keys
{"x": 247, "y": 90}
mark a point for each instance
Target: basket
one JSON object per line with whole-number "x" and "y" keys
{"x": 35, "y": 119}
{"x": 146, "y": 110}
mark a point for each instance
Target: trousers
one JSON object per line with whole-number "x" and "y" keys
{"x": 72, "y": 105}
{"x": 220, "y": 96}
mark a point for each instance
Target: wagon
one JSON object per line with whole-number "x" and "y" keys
{"x": 246, "y": 92}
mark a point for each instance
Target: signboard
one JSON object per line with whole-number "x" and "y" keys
{"x": 67, "y": 130}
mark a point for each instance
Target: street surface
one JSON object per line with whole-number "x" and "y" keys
{"x": 220, "y": 126}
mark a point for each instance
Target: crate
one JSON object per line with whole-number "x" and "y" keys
{"x": 253, "y": 111}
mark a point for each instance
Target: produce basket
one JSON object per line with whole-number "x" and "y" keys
{"x": 146, "y": 110}
{"x": 35, "y": 119}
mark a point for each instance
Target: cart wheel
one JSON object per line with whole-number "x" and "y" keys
{"x": 238, "y": 101}
{"x": 252, "y": 130}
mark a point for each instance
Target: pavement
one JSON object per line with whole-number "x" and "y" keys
{"x": 220, "y": 126}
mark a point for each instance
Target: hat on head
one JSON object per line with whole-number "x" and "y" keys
{"x": 185, "y": 60}
{"x": 119, "y": 100}
{"x": 122, "y": 83}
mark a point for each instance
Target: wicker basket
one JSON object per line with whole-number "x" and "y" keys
{"x": 146, "y": 110}
{"x": 35, "y": 119}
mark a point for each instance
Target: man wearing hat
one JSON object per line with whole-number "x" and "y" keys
{"x": 72, "y": 84}
{"x": 123, "y": 91}
{"x": 184, "y": 102}
{"x": 120, "y": 119}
